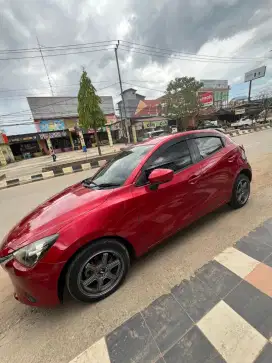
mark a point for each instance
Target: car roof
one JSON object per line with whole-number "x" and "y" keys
{"x": 163, "y": 139}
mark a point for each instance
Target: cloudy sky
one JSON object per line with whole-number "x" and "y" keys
{"x": 160, "y": 40}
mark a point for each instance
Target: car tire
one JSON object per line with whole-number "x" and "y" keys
{"x": 89, "y": 266}
{"x": 238, "y": 200}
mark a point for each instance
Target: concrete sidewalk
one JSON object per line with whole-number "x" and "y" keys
{"x": 222, "y": 314}
{"x": 35, "y": 165}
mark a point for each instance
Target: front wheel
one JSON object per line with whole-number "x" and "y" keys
{"x": 98, "y": 270}
{"x": 240, "y": 192}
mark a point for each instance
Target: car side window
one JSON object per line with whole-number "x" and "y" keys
{"x": 176, "y": 157}
{"x": 208, "y": 145}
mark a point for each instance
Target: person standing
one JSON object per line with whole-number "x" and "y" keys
{"x": 52, "y": 153}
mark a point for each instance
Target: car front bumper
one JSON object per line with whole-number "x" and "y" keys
{"x": 36, "y": 286}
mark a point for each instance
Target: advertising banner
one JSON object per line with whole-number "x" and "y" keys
{"x": 206, "y": 99}
{"x": 154, "y": 124}
{"x": 51, "y": 125}
{"x": 240, "y": 111}
{"x": 215, "y": 83}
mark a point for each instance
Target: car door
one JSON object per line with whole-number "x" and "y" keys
{"x": 214, "y": 164}
{"x": 161, "y": 212}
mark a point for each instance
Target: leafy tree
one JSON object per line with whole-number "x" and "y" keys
{"x": 182, "y": 100}
{"x": 266, "y": 103}
{"x": 89, "y": 111}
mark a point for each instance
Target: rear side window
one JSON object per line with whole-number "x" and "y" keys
{"x": 208, "y": 145}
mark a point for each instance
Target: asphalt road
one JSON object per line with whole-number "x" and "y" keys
{"x": 31, "y": 335}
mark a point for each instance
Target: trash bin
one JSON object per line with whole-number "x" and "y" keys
{"x": 84, "y": 149}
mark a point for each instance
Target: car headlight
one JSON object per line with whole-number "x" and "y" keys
{"x": 31, "y": 254}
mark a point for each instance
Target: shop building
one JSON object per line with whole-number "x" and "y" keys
{"x": 214, "y": 93}
{"x": 56, "y": 121}
{"x": 25, "y": 146}
{"x": 148, "y": 117}
{"x": 6, "y": 155}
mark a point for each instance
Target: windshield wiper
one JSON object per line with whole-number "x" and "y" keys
{"x": 108, "y": 185}
{"x": 88, "y": 182}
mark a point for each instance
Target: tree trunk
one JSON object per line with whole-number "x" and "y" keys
{"x": 265, "y": 114}
{"x": 97, "y": 142}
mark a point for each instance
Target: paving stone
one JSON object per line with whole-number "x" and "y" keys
{"x": 254, "y": 248}
{"x": 268, "y": 261}
{"x": 194, "y": 347}
{"x": 196, "y": 297}
{"x": 237, "y": 261}
{"x": 263, "y": 233}
{"x": 167, "y": 321}
{"x": 261, "y": 278}
{"x": 266, "y": 355}
{"x": 218, "y": 277}
{"x": 132, "y": 342}
{"x": 254, "y": 306}
{"x": 234, "y": 338}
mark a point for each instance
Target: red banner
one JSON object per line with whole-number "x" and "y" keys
{"x": 206, "y": 99}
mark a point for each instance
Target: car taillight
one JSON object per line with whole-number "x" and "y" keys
{"x": 243, "y": 152}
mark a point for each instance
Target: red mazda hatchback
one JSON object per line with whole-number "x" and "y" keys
{"x": 85, "y": 237}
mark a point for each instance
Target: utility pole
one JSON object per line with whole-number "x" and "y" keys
{"x": 46, "y": 71}
{"x": 249, "y": 91}
{"x": 121, "y": 89}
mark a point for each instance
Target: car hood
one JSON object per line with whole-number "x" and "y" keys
{"x": 49, "y": 217}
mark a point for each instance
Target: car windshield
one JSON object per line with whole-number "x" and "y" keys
{"x": 116, "y": 172}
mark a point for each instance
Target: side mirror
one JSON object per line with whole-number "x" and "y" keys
{"x": 160, "y": 176}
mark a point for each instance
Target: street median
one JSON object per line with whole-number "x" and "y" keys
{"x": 59, "y": 169}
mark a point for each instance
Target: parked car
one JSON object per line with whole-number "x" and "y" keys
{"x": 85, "y": 237}
{"x": 244, "y": 122}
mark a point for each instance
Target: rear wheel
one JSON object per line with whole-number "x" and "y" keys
{"x": 98, "y": 270}
{"x": 240, "y": 192}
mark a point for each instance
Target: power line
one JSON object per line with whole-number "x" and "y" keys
{"x": 34, "y": 49}
{"x": 171, "y": 56}
{"x": 67, "y": 99}
{"x": 193, "y": 54}
{"x": 46, "y": 70}
{"x": 55, "y": 86}
{"x": 55, "y": 55}
{"x": 152, "y": 89}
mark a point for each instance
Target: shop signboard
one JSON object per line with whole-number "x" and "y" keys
{"x": 240, "y": 111}
{"x": 51, "y": 125}
{"x": 255, "y": 74}
{"x": 52, "y": 135}
{"x": 215, "y": 83}
{"x": 154, "y": 124}
{"x": 21, "y": 138}
{"x": 221, "y": 96}
{"x": 206, "y": 98}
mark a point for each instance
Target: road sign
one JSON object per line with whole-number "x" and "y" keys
{"x": 255, "y": 74}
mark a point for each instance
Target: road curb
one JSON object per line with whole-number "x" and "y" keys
{"x": 50, "y": 174}
{"x": 249, "y": 131}
{"x": 86, "y": 166}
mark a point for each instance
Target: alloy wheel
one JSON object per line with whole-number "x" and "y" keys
{"x": 242, "y": 191}
{"x": 101, "y": 273}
